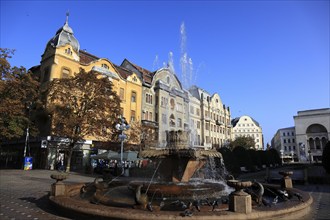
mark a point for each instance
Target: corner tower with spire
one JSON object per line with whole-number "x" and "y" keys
{"x": 62, "y": 48}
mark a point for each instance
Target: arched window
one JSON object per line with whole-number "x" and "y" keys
{"x": 172, "y": 120}
{"x": 317, "y": 143}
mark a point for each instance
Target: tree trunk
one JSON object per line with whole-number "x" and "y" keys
{"x": 68, "y": 164}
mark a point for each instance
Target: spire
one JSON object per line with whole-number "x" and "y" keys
{"x": 67, "y": 17}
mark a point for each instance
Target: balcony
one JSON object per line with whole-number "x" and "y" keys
{"x": 218, "y": 122}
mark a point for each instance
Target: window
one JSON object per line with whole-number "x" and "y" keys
{"x": 191, "y": 109}
{"x": 132, "y": 115}
{"x": 207, "y": 126}
{"x": 122, "y": 94}
{"x": 283, "y": 133}
{"x": 172, "y": 103}
{"x": 105, "y": 66}
{"x": 198, "y": 124}
{"x": 148, "y": 98}
{"x": 284, "y": 141}
{"x": 150, "y": 116}
{"x": 197, "y": 111}
{"x": 133, "y": 98}
{"x": 179, "y": 122}
{"x": 68, "y": 51}
{"x": 163, "y": 102}
{"x": 179, "y": 107}
{"x": 207, "y": 139}
{"x": 65, "y": 73}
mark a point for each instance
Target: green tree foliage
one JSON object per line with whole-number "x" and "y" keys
{"x": 19, "y": 95}
{"x": 83, "y": 106}
{"x": 246, "y": 142}
{"x": 326, "y": 157}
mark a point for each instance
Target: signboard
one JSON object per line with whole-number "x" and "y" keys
{"x": 27, "y": 163}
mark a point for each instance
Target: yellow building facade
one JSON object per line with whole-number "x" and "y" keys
{"x": 63, "y": 58}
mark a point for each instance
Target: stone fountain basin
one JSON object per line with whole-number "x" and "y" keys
{"x": 74, "y": 206}
{"x": 181, "y": 190}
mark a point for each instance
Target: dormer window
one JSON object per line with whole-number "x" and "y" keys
{"x": 68, "y": 51}
{"x": 168, "y": 80}
{"x": 134, "y": 79}
{"x": 105, "y": 66}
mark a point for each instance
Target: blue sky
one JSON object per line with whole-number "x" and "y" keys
{"x": 266, "y": 59}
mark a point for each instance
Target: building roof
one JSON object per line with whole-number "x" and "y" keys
{"x": 235, "y": 120}
{"x": 145, "y": 74}
{"x": 123, "y": 71}
{"x": 64, "y": 36}
{"x": 86, "y": 58}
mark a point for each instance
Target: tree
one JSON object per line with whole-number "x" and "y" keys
{"x": 246, "y": 142}
{"x": 326, "y": 157}
{"x": 83, "y": 106}
{"x": 19, "y": 95}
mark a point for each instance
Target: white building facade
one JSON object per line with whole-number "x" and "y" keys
{"x": 284, "y": 141}
{"x": 246, "y": 126}
{"x": 312, "y": 133}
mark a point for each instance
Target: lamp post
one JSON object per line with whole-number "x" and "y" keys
{"x": 122, "y": 126}
{"x": 28, "y": 106}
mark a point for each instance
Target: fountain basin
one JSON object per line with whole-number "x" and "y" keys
{"x": 75, "y": 206}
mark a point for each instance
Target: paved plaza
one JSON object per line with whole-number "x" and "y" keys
{"x": 24, "y": 195}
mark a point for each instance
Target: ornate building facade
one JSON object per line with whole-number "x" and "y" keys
{"x": 215, "y": 117}
{"x": 156, "y": 99}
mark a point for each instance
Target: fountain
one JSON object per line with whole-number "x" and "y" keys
{"x": 180, "y": 186}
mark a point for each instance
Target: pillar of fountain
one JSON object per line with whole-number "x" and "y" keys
{"x": 286, "y": 181}
{"x": 240, "y": 201}
{"x": 58, "y": 188}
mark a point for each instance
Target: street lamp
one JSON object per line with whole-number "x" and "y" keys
{"x": 122, "y": 126}
{"x": 28, "y": 107}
